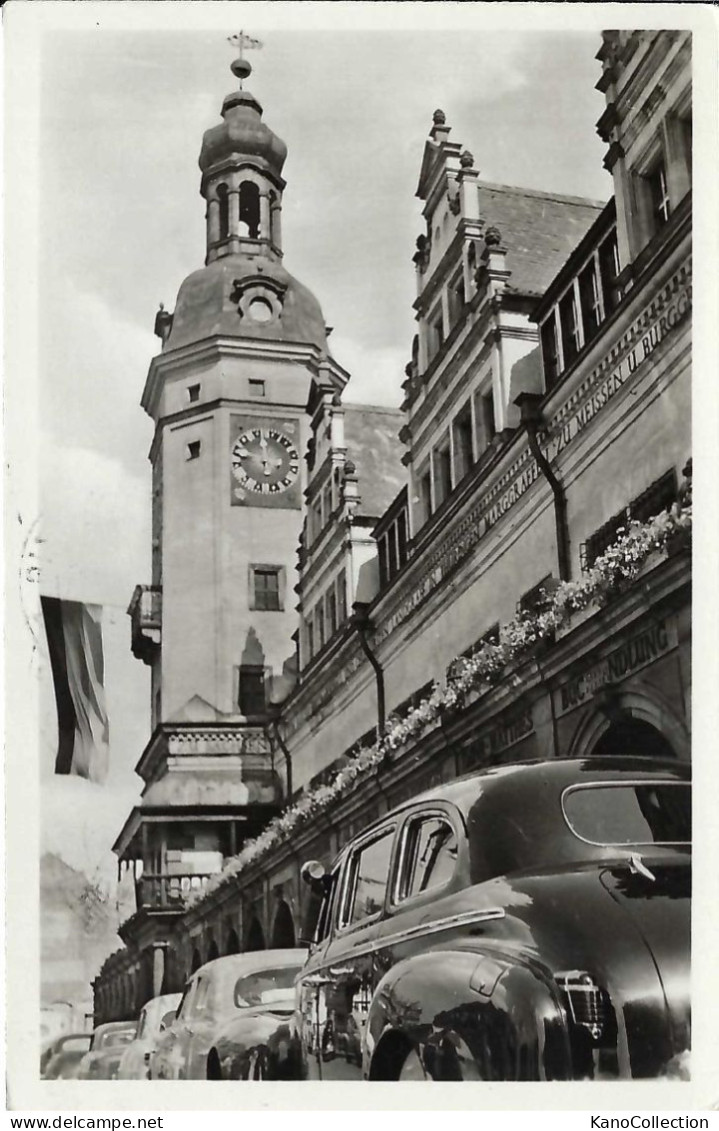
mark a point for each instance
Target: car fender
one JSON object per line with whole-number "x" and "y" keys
{"x": 474, "y": 1015}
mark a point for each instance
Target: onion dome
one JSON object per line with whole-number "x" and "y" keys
{"x": 242, "y": 134}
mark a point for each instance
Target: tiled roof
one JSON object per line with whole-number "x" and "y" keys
{"x": 539, "y": 229}
{"x": 373, "y": 445}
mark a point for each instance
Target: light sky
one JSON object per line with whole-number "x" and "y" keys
{"x": 121, "y": 224}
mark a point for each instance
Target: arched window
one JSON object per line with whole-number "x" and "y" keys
{"x": 232, "y": 945}
{"x": 249, "y": 210}
{"x": 630, "y": 736}
{"x": 283, "y": 928}
{"x": 255, "y": 936}
{"x": 224, "y": 211}
{"x": 273, "y": 216}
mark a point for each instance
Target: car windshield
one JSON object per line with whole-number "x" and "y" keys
{"x": 265, "y": 986}
{"x": 630, "y": 813}
{"x": 117, "y": 1037}
{"x": 75, "y": 1044}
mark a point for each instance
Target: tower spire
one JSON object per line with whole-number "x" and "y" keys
{"x": 240, "y": 66}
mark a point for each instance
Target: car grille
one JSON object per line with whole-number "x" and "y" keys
{"x": 584, "y": 1000}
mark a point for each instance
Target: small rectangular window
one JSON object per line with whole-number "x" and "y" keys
{"x": 659, "y": 195}
{"x": 266, "y": 588}
{"x": 569, "y": 322}
{"x": 487, "y": 421}
{"x": 319, "y": 619}
{"x": 608, "y": 272}
{"x": 310, "y": 638}
{"x": 402, "y": 538}
{"x": 251, "y": 698}
{"x": 590, "y": 300}
{"x": 368, "y": 876}
{"x": 331, "y": 613}
{"x": 341, "y": 598}
{"x": 435, "y": 334}
{"x": 257, "y": 387}
{"x": 442, "y": 473}
{"x": 392, "y": 550}
{"x": 686, "y": 131}
{"x": 537, "y": 598}
{"x": 193, "y": 450}
{"x": 550, "y": 350}
{"x": 456, "y": 298}
{"x": 193, "y": 393}
{"x": 657, "y": 498}
{"x": 384, "y": 566}
{"x": 424, "y": 495}
{"x": 463, "y": 451}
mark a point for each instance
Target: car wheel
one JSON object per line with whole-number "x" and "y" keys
{"x": 413, "y": 1069}
{"x": 214, "y": 1072}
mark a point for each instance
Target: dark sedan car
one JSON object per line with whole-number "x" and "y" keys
{"x": 531, "y": 922}
{"x": 255, "y": 1043}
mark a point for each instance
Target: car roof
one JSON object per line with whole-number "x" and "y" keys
{"x": 524, "y": 778}
{"x": 109, "y": 1026}
{"x": 250, "y": 961}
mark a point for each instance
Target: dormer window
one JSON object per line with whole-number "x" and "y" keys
{"x": 550, "y": 349}
{"x": 569, "y": 321}
{"x": 608, "y": 256}
{"x": 590, "y": 299}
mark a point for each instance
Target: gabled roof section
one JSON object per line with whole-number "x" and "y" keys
{"x": 539, "y": 229}
{"x": 373, "y": 445}
{"x": 434, "y": 164}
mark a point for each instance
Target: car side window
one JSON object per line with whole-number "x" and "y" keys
{"x": 367, "y": 879}
{"x": 141, "y": 1024}
{"x": 201, "y": 999}
{"x": 184, "y": 1007}
{"x": 429, "y": 855}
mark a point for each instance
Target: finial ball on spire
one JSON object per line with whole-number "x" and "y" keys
{"x": 439, "y": 118}
{"x": 241, "y": 68}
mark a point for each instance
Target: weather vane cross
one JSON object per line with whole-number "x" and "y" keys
{"x": 243, "y": 42}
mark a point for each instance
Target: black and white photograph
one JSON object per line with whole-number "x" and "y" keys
{"x": 351, "y": 435}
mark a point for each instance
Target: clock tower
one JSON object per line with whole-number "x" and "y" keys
{"x": 228, "y": 395}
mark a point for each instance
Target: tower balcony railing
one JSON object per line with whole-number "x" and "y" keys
{"x": 145, "y": 612}
{"x": 165, "y": 892}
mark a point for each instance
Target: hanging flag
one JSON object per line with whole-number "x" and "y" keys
{"x": 74, "y": 637}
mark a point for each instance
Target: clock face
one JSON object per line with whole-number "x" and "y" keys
{"x": 265, "y": 461}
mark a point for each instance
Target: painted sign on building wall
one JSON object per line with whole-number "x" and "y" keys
{"x": 635, "y": 653}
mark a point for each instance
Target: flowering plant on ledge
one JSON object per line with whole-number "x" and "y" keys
{"x": 617, "y": 567}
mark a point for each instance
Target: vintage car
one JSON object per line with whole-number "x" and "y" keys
{"x": 208, "y": 1003}
{"x": 155, "y": 1016}
{"x": 61, "y": 1059}
{"x": 529, "y": 922}
{"x": 106, "y": 1047}
{"x": 254, "y": 1044}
